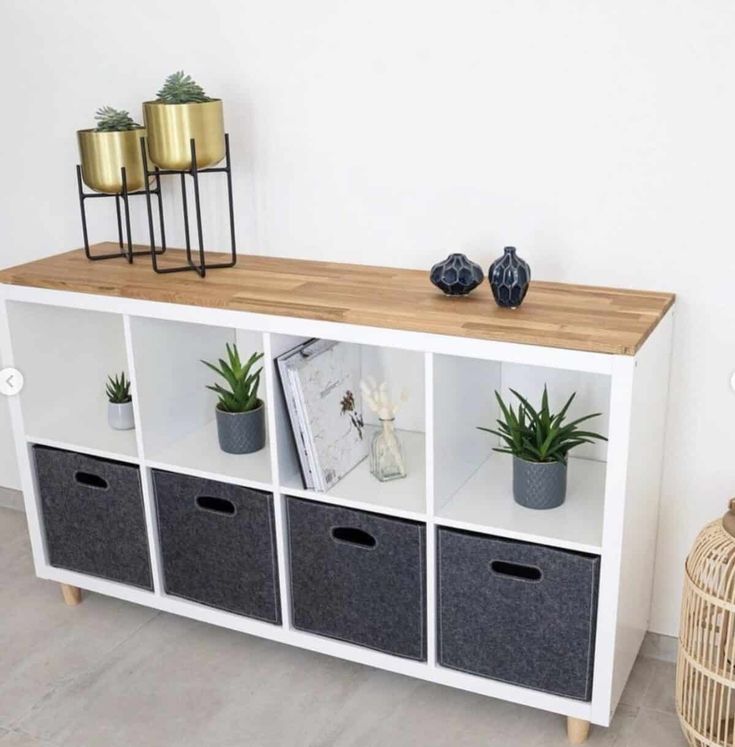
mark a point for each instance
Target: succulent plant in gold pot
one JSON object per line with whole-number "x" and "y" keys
{"x": 180, "y": 113}
{"x": 105, "y": 149}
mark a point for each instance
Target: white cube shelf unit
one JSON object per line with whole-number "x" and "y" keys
{"x": 69, "y": 322}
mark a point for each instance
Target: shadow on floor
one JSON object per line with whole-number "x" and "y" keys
{"x": 109, "y": 673}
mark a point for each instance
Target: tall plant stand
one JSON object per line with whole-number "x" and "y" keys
{"x": 122, "y": 209}
{"x": 194, "y": 262}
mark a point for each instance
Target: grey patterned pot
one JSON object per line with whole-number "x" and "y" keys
{"x": 539, "y": 485}
{"x": 241, "y": 432}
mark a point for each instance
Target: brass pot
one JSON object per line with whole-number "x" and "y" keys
{"x": 103, "y": 154}
{"x": 171, "y": 126}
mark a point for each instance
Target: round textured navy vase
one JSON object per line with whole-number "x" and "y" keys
{"x": 456, "y": 275}
{"x": 509, "y": 277}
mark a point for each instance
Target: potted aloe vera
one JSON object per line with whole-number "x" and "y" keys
{"x": 120, "y": 403}
{"x": 240, "y": 414}
{"x": 540, "y": 442}
{"x": 105, "y": 149}
{"x": 180, "y": 113}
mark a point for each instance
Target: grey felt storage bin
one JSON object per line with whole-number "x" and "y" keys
{"x": 218, "y": 544}
{"x": 358, "y": 576}
{"x": 517, "y": 612}
{"x": 93, "y": 516}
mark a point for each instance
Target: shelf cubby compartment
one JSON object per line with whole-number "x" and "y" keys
{"x": 65, "y": 356}
{"x": 473, "y": 484}
{"x": 403, "y": 370}
{"x": 177, "y": 411}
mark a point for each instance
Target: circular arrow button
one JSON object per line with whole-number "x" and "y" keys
{"x": 11, "y": 381}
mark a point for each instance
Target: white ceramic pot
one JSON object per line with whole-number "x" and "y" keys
{"x": 120, "y": 416}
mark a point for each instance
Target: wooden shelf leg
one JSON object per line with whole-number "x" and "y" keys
{"x": 577, "y": 730}
{"x": 72, "y": 595}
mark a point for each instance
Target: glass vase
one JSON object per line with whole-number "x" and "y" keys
{"x": 386, "y": 453}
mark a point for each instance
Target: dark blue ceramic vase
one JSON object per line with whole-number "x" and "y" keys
{"x": 509, "y": 277}
{"x": 456, "y": 275}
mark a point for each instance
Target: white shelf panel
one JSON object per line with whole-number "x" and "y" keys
{"x": 86, "y": 431}
{"x": 485, "y": 504}
{"x": 199, "y": 454}
{"x": 359, "y": 489}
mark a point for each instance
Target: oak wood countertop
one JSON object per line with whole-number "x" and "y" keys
{"x": 576, "y": 317}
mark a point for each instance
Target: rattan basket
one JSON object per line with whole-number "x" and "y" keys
{"x": 705, "y": 677}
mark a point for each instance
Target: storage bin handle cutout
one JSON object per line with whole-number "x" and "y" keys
{"x": 215, "y": 505}
{"x": 354, "y": 536}
{"x": 516, "y": 570}
{"x": 90, "y": 480}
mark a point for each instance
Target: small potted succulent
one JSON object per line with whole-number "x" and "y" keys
{"x": 540, "y": 442}
{"x": 183, "y": 111}
{"x": 104, "y": 150}
{"x": 240, "y": 414}
{"x": 120, "y": 403}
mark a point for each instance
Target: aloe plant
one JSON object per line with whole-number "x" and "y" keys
{"x": 118, "y": 389}
{"x": 539, "y": 435}
{"x": 242, "y": 395}
{"x": 180, "y": 88}
{"x": 114, "y": 120}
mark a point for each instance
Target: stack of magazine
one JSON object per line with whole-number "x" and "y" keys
{"x": 321, "y": 386}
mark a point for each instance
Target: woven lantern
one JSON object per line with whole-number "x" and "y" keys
{"x": 705, "y": 676}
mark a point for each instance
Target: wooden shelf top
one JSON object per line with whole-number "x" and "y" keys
{"x": 576, "y": 317}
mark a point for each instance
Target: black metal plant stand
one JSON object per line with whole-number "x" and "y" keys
{"x": 199, "y": 265}
{"x": 126, "y": 244}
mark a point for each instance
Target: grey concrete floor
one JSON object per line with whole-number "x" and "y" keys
{"x": 109, "y": 673}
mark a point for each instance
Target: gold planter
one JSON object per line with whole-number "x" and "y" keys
{"x": 104, "y": 153}
{"x": 171, "y": 126}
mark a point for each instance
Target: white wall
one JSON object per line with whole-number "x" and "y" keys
{"x": 596, "y": 136}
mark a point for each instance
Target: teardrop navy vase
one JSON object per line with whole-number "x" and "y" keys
{"x": 509, "y": 277}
